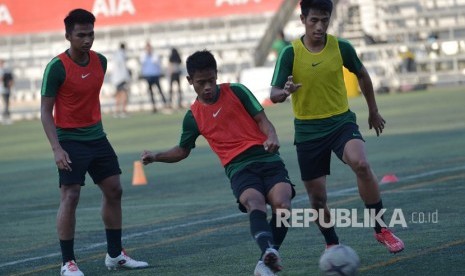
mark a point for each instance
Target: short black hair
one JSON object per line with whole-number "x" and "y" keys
{"x": 322, "y": 5}
{"x": 78, "y": 16}
{"x": 200, "y": 61}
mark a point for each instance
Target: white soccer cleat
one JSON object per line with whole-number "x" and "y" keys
{"x": 70, "y": 269}
{"x": 262, "y": 270}
{"x": 123, "y": 261}
{"x": 272, "y": 260}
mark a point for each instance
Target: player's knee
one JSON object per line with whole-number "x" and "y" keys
{"x": 71, "y": 198}
{"x": 282, "y": 204}
{"x": 252, "y": 203}
{"x": 362, "y": 168}
{"x": 114, "y": 194}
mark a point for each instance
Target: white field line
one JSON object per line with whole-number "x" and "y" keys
{"x": 206, "y": 221}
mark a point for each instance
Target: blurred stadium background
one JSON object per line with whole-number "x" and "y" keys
{"x": 405, "y": 44}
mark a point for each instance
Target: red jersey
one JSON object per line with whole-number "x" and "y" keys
{"x": 226, "y": 125}
{"x": 77, "y": 103}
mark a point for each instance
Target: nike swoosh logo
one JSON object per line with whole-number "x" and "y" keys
{"x": 316, "y": 63}
{"x": 85, "y": 76}
{"x": 216, "y": 113}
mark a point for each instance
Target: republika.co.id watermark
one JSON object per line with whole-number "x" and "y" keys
{"x": 341, "y": 217}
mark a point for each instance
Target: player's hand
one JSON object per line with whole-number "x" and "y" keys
{"x": 271, "y": 145}
{"x": 62, "y": 159}
{"x": 290, "y": 87}
{"x": 147, "y": 157}
{"x": 377, "y": 122}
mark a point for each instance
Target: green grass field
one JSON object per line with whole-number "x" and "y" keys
{"x": 186, "y": 222}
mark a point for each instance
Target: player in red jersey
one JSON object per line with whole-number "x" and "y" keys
{"x": 237, "y": 129}
{"x": 71, "y": 118}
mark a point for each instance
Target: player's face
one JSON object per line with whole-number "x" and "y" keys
{"x": 81, "y": 38}
{"x": 204, "y": 83}
{"x": 316, "y": 24}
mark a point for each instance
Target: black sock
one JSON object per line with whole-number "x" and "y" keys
{"x": 330, "y": 235}
{"x": 260, "y": 230}
{"x": 377, "y": 207}
{"x": 67, "y": 250}
{"x": 114, "y": 247}
{"x": 279, "y": 233}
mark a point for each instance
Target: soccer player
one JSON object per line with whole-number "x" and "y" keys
{"x": 239, "y": 132}
{"x": 310, "y": 69}
{"x": 71, "y": 88}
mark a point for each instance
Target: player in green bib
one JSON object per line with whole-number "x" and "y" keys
{"x": 310, "y": 70}
{"x": 237, "y": 129}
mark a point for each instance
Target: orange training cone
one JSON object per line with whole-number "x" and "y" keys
{"x": 389, "y": 178}
{"x": 267, "y": 102}
{"x": 138, "y": 177}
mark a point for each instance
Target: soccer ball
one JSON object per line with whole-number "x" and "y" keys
{"x": 339, "y": 260}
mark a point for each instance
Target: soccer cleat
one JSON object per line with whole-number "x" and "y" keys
{"x": 328, "y": 246}
{"x": 262, "y": 270}
{"x": 393, "y": 243}
{"x": 123, "y": 261}
{"x": 71, "y": 269}
{"x": 272, "y": 260}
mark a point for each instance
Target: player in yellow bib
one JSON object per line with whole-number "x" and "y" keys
{"x": 311, "y": 70}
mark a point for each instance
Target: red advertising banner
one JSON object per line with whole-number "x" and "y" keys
{"x": 33, "y": 16}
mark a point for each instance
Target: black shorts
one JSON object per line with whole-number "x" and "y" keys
{"x": 122, "y": 87}
{"x": 261, "y": 176}
{"x": 315, "y": 156}
{"x": 96, "y": 157}
{"x": 175, "y": 77}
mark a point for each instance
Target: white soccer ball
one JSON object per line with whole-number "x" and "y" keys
{"x": 339, "y": 260}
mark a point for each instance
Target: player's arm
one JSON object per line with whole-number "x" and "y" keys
{"x": 282, "y": 84}
{"x": 190, "y": 132}
{"x": 271, "y": 143}
{"x": 366, "y": 86}
{"x": 172, "y": 155}
{"x": 354, "y": 65}
{"x": 53, "y": 78}
{"x": 255, "y": 110}
{"x": 279, "y": 95}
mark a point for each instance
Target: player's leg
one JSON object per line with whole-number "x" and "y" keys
{"x": 124, "y": 97}
{"x": 66, "y": 219}
{"x": 354, "y": 154}
{"x": 150, "y": 82}
{"x": 178, "y": 81}
{"x": 279, "y": 197}
{"x": 112, "y": 217}
{"x": 105, "y": 172}
{"x": 111, "y": 201}
{"x": 250, "y": 194}
{"x": 279, "y": 192}
{"x": 124, "y": 102}
{"x": 160, "y": 90}
{"x": 255, "y": 203}
{"x": 314, "y": 161}
{"x": 70, "y": 189}
{"x": 118, "y": 100}
{"x": 171, "y": 90}
{"x": 316, "y": 191}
